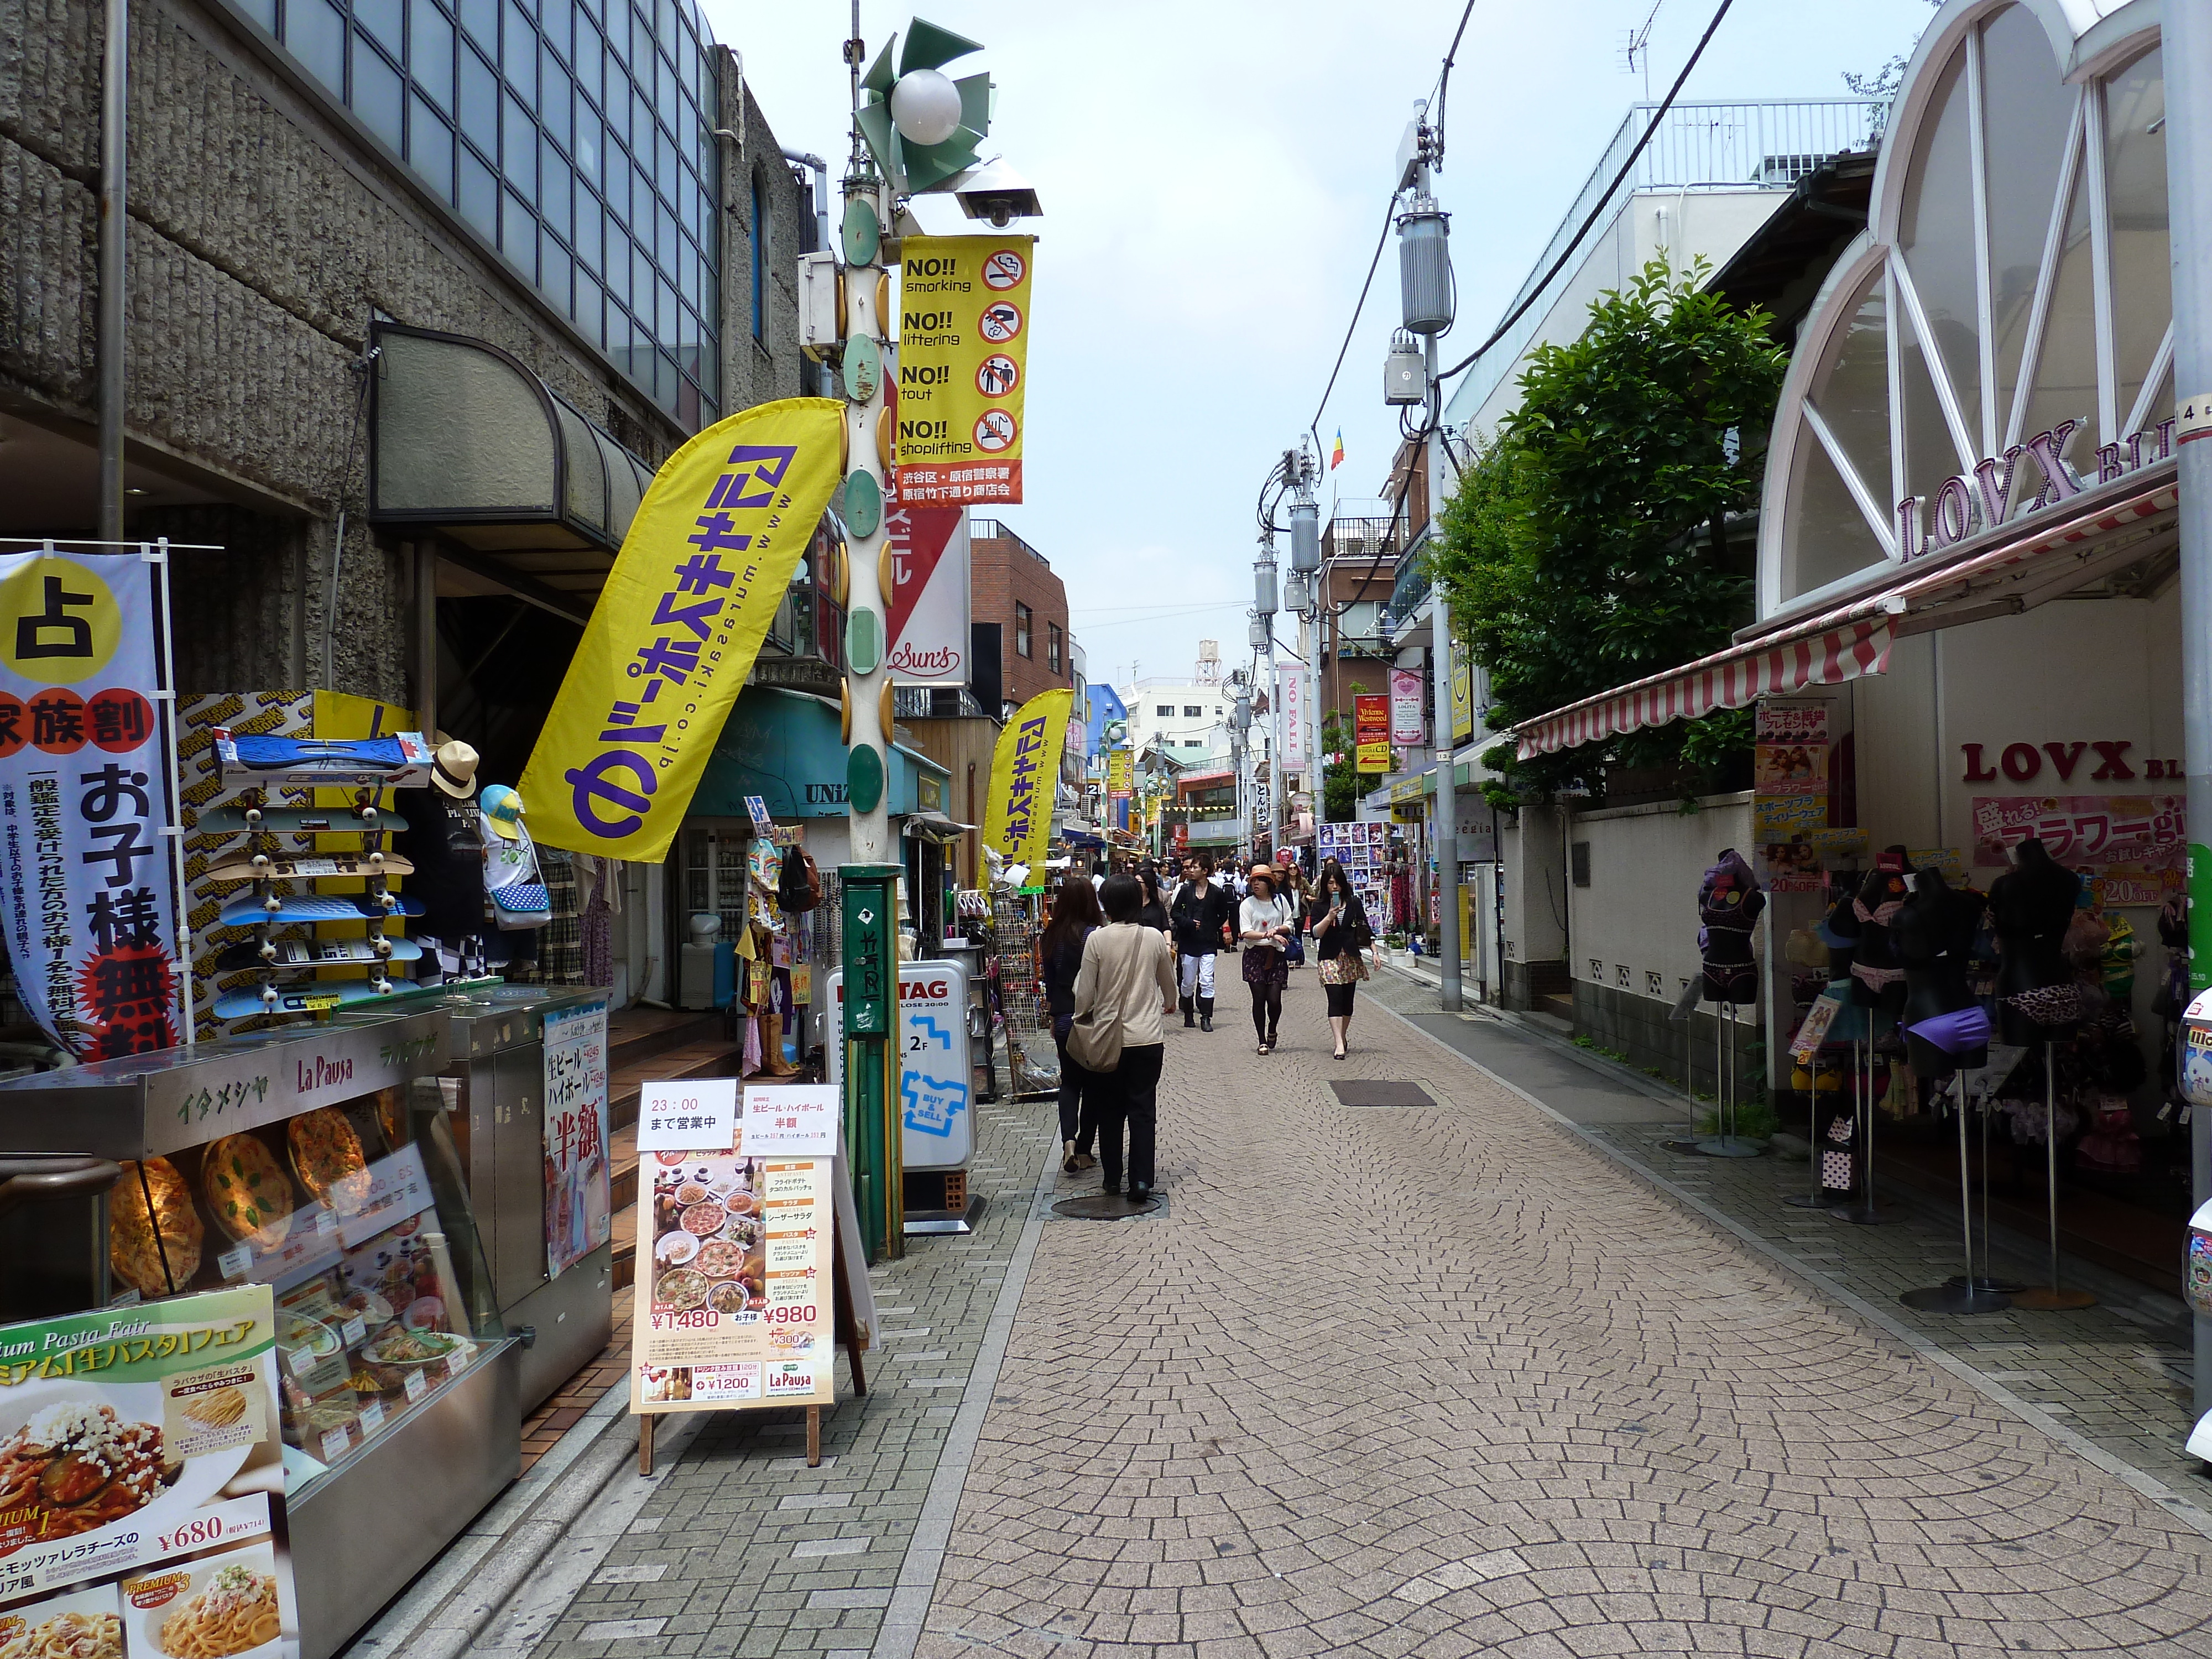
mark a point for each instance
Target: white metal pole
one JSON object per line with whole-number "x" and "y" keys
{"x": 2186, "y": 37}
{"x": 870, "y": 830}
{"x": 114, "y": 238}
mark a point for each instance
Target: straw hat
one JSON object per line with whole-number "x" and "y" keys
{"x": 454, "y": 769}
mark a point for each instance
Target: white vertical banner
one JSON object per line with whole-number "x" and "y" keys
{"x": 1409, "y": 724}
{"x": 928, "y": 594}
{"x": 1290, "y": 693}
{"x": 91, "y": 909}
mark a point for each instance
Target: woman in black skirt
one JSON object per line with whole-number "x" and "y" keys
{"x": 1340, "y": 934}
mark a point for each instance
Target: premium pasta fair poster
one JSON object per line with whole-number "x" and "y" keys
{"x": 141, "y": 1483}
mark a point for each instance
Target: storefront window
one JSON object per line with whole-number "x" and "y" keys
{"x": 2027, "y": 114}
{"x": 2134, "y": 190}
{"x": 1923, "y": 359}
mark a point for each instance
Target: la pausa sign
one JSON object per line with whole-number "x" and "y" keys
{"x": 1996, "y": 491}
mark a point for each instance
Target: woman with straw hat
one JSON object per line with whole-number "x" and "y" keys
{"x": 1263, "y": 923}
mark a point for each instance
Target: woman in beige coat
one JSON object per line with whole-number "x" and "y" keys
{"x": 1128, "y": 976}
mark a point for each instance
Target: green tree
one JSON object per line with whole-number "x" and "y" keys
{"x": 1588, "y": 544}
{"x": 1339, "y": 778}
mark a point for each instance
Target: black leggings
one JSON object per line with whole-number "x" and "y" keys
{"x": 1339, "y": 999}
{"x": 1266, "y": 1009}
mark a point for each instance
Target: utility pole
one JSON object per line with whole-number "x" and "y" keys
{"x": 870, "y": 877}
{"x": 1425, "y": 294}
{"x": 2187, "y": 43}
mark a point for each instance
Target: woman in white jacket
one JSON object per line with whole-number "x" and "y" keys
{"x": 1127, "y": 979}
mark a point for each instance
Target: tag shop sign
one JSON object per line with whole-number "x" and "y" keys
{"x": 91, "y": 916}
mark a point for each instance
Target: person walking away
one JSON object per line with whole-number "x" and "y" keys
{"x": 1154, "y": 914}
{"x": 1127, "y": 980}
{"x": 1341, "y": 935}
{"x": 1291, "y": 885}
{"x": 1075, "y": 917}
{"x": 1197, "y": 916}
{"x": 1263, "y": 922}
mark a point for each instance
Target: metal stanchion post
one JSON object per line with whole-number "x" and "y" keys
{"x": 2052, "y": 1296}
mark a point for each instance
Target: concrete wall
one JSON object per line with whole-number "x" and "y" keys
{"x": 1535, "y": 893}
{"x": 264, "y": 230}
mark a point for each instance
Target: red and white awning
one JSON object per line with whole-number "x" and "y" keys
{"x": 1855, "y": 638}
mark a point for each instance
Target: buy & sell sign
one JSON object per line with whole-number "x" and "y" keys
{"x": 963, "y": 355}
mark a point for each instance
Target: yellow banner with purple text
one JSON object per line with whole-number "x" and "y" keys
{"x": 1024, "y": 778}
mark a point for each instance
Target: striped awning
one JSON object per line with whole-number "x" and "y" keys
{"x": 1855, "y": 638}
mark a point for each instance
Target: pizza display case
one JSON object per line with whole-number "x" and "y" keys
{"x": 323, "y": 1162}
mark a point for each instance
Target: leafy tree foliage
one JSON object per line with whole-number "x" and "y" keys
{"x": 1588, "y": 543}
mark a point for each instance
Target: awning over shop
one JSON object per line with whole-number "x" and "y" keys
{"x": 528, "y": 495}
{"x": 785, "y": 747}
{"x": 2136, "y": 525}
{"x": 929, "y": 825}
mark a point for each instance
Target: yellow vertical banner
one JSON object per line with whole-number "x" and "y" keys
{"x": 963, "y": 365}
{"x": 677, "y": 627}
{"x": 1462, "y": 694}
{"x": 1024, "y": 778}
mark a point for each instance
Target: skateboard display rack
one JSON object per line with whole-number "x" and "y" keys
{"x": 365, "y": 768}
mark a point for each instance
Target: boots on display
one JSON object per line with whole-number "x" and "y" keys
{"x": 1205, "y": 1013}
{"x": 772, "y": 1061}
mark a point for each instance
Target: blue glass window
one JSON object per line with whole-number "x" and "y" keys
{"x": 553, "y": 187}
{"x": 518, "y": 233}
{"x": 518, "y": 159}
{"x": 618, "y": 263}
{"x": 316, "y": 35}
{"x": 430, "y": 52}
{"x": 479, "y": 195}
{"x": 554, "y": 271}
{"x": 591, "y": 310}
{"x": 554, "y": 19}
{"x": 481, "y": 19}
{"x": 381, "y": 18}
{"x": 480, "y": 103}
{"x": 519, "y": 55}
{"x": 590, "y": 137}
{"x": 377, "y": 95}
{"x": 590, "y": 237}
{"x": 554, "y": 100}
{"x": 591, "y": 59}
{"x": 262, "y": 12}
{"x": 430, "y": 146}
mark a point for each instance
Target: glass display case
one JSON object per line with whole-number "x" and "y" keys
{"x": 322, "y": 1161}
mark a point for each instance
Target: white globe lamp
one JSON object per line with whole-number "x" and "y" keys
{"x": 925, "y": 106}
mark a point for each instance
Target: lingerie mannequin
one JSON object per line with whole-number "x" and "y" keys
{"x": 1877, "y": 977}
{"x": 1728, "y": 905}
{"x": 1933, "y": 932}
{"x": 1839, "y": 930}
{"x": 2033, "y": 903}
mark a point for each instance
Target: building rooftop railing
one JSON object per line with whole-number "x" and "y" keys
{"x": 1748, "y": 144}
{"x": 993, "y": 530}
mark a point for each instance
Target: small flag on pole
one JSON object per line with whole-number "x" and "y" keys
{"x": 1336, "y": 455}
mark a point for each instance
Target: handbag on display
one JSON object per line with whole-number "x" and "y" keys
{"x": 1805, "y": 949}
{"x": 514, "y": 888}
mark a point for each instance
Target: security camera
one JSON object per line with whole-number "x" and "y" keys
{"x": 994, "y": 192}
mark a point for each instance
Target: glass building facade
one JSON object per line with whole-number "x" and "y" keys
{"x": 575, "y": 136}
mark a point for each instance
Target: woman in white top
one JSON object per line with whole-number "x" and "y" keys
{"x": 1263, "y": 923}
{"x": 1126, "y": 980}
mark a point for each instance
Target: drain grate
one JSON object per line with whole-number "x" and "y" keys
{"x": 1105, "y": 1206}
{"x": 1380, "y": 1092}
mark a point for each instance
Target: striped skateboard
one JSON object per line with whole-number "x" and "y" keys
{"x": 249, "y": 910}
{"x": 314, "y": 953}
{"x": 270, "y": 867}
{"x": 290, "y": 820}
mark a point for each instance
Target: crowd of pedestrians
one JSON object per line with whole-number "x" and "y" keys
{"x": 1122, "y": 952}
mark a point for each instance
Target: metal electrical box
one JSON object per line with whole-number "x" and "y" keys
{"x": 821, "y": 307}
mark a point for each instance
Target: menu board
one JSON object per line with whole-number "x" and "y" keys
{"x": 141, "y": 1483}
{"x": 1363, "y": 850}
{"x": 579, "y": 1184}
{"x": 734, "y": 1288}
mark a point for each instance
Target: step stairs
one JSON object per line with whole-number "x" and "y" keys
{"x": 652, "y": 1046}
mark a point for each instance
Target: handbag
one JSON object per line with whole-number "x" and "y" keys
{"x": 1095, "y": 1036}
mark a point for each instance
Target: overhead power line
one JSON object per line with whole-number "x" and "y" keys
{"x": 1598, "y": 208}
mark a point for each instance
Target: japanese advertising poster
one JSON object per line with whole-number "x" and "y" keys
{"x": 929, "y": 597}
{"x": 92, "y": 908}
{"x": 141, "y": 1483}
{"x": 2133, "y": 845}
{"x": 579, "y": 1189}
{"x": 734, "y": 1304}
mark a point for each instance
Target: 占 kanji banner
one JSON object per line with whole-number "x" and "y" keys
{"x": 1024, "y": 778}
{"x": 91, "y": 920}
{"x": 677, "y": 627}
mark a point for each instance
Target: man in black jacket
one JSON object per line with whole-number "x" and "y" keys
{"x": 1198, "y": 914}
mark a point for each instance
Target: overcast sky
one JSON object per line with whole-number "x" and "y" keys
{"x": 1214, "y": 174}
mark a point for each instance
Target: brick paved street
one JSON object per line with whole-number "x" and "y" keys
{"x": 1434, "y": 1380}
{"x": 1442, "y": 1381}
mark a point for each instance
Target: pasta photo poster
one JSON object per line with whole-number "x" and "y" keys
{"x": 141, "y": 1484}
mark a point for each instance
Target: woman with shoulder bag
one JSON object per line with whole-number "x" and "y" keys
{"x": 1127, "y": 985}
{"x": 1342, "y": 936}
{"x": 1263, "y": 924}
{"x": 1075, "y": 917}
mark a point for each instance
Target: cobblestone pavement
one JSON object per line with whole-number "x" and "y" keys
{"x": 744, "y": 1550}
{"x": 2117, "y": 1374}
{"x": 1444, "y": 1380}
